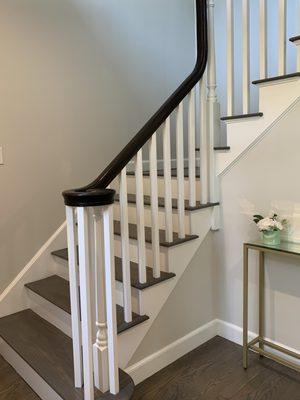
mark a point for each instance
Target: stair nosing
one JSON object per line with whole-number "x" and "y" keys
{"x": 40, "y": 371}
{"x": 137, "y": 319}
{"x": 165, "y": 276}
{"x": 277, "y": 78}
{"x": 294, "y": 38}
{"x": 242, "y": 116}
{"x": 174, "y": 207}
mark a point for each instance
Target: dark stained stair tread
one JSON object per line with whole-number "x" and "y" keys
{"x": 49, "y": 353}
{"x": 295, "y": 38}
{"x": 242, "y": 116}
{"x": 148, "y": 236}
{"x": 161, "y": 202}
{"x": 218, "y": 148}
{"x": 160, "y": 172}
{"x": 277, "y": 78}
{"x": 57, "y": 291}
{"x": 134, "y": 270}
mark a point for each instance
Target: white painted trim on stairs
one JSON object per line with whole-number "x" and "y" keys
{"x": 14, "y": 297}
{"x": 259, "y": 138}
{"x": 167, "y": 355}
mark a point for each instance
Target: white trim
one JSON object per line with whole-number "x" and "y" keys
{"x": 155, "y": 362}
{"x": 42, "y": 265}
{"x": 259, "y": 138}
{"x": 234, "y": 333}
{"x": 167, "y": 355}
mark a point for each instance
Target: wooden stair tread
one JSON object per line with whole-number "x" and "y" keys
{"x": 160, "y": 172}
{"x": 49, "y": 353}
{"x": 134, "y": 270}
{"x": 242, "y": 116}
{"x": 294, "y": 38}
{"x": 56, "y": 290}
{"x": 218, "y": 148}
{"x": 277, "y": 78}
{"x": 161, "y": 202}
{"x": 148, "y": 236}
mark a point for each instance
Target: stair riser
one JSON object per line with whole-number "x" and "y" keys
{"x": 161, "y": 186}
{"x": 133, "y": 250}
{"x": 148, "y": 219}
{"x": 61, "y": 319}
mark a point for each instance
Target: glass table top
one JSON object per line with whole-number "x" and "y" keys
{"x": 283, "y": 247}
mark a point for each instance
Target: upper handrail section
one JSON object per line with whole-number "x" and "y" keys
{"x": 95, "y": 193}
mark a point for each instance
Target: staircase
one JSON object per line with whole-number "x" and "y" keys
{"x": 73, "y": 319}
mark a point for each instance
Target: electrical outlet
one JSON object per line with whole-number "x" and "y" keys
{"x": 1, "y": 156}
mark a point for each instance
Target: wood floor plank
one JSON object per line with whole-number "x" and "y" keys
{"x": 214, "y": 371}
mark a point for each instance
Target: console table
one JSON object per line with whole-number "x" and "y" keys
{"x": 259, "y": 344}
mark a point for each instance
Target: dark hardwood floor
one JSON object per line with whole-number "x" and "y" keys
{"x": 214, "y": 372}
{"x": 12, "y": 387}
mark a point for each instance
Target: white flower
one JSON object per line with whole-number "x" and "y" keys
{"x": 278, "y": 225}
{"x": 266, "y": 224}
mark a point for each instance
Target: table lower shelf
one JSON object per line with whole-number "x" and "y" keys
{"x": 258, "y": 346}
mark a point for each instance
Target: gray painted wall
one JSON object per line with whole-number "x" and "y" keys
{"x": 78, "y": 80}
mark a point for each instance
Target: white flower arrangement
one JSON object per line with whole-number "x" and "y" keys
{"x": 269, "y": 224}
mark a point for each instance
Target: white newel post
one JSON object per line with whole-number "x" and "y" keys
{"x": 212, "y": 103}
{"x": 74, "y": 296}
{"x": 110, "y": 287}
{"x": 101, "y": 345}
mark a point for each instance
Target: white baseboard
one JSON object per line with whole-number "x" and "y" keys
{"x": 234, "y": 333}
{"x": 166, "y": 356}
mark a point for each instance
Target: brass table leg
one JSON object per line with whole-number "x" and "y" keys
{"x": 261, "y": 298}
{"x": 245, "y": 309}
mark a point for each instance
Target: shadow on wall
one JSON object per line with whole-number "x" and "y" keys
{"x": 79, "y": 78}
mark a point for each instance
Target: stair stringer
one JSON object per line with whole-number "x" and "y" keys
{"x": 152, "y": 300}
{"x": 275, "y": 100}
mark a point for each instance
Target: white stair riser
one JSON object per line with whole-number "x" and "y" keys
{"x": 133, "y": 250}
{"x": 275, "y": 99}
{"x": 161, "y": 186}
{"x": 148, "y": 220}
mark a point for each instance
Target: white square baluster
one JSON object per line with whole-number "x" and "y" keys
{"x": 110, "y": 286}
{"x": 204, "y": 150}
{"x": 180, "y": 171}
{"x": 263, "y": 39}
{"x": 101, "y": 345}
{"x": 125, "y": 247}
{"x": 85, "y": 301}
{"x": 246, "y": 57}
{"x": 74, "y": 297}
{"x": 168, "y": 180}
{"x": 154, "y": 206}
{"x": 192, "y": 147}
{"x": 140, "y": 216}
{"x": 230, "y": 57}
{"x": 282, "y": 38}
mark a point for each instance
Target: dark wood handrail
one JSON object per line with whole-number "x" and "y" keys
{"x": 96, "y": 193}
